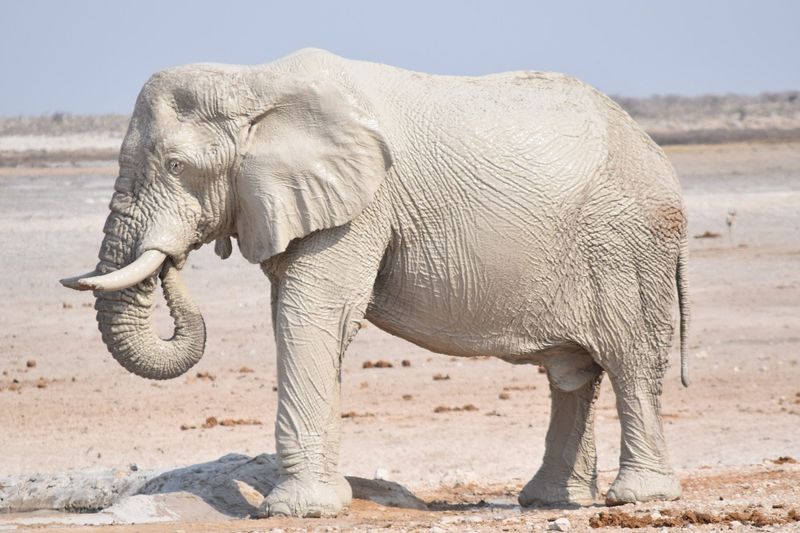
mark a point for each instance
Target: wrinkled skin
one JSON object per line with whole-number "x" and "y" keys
{"x": 521, "y": 215}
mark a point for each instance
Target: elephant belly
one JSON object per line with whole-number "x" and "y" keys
{"x": 490, "y": 295}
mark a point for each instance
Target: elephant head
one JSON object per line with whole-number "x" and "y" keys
{"x": 264, "y": 154}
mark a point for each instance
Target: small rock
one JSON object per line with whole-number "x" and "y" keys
{"x": 441, "y": 377}
{"x": 406, "y": 363}
{"x": 31, "y": 363}
{"x": 560, "y": 524}
{"x": 504, "y": 396}
{"x": 381, "y": 473}
{"x": 246, "y": 491}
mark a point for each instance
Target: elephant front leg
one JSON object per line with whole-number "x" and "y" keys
{"x": 308, "y": 425}
{"x": 307, "y": 439}
{"x": 568, "y": 474}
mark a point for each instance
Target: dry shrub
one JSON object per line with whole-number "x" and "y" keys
{"x": 228, "y": 422}
{"x": 752, "y": 517}
{"x": 377, "y": 364}
{"x": 212, "y": 421}
{"x": 448, "y": 409}
{"x": 353, "y": 414}
{"x": 708, "y": 235}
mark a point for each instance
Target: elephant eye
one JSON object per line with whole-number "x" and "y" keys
{"x": 175, "y": 167}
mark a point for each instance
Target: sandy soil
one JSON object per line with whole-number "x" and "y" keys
{"x": 65, "y": 405}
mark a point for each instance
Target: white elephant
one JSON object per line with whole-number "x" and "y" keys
{"x": 520, "y": 215}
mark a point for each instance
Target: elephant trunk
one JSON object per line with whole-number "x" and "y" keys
{"x": 125, "y": 317}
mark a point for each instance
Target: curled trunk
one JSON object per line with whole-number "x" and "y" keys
{"x": 125, "y": 317}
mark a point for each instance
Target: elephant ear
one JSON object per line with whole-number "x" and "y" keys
{"x": 313, "y": 159}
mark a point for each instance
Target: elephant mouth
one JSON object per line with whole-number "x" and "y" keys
{"x": 149, "y": 263}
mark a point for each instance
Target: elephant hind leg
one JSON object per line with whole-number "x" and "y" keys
{"x": 568, "y": 474}
{"x": 644, "y": 472}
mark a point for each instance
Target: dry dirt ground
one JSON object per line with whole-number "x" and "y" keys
{"x": 66, "y": 406}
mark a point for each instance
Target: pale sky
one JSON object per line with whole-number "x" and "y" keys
{"x": 89, "y": 56}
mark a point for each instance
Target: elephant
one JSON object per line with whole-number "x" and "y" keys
{"x": 521, "y": 215}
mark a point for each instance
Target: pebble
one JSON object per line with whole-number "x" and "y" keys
{"x": 560, "y": 524}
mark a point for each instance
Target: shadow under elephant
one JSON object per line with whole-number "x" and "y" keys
{"x": 235, "y": 484}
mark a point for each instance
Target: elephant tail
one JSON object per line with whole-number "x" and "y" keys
{"x": 683, "y": 305}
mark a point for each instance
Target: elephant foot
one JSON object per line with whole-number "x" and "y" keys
{"x": 343, "y": 490}
{"x": 305, "y": 497}
{"x": 642, "y": 486}
{"x": 553, "y": 491}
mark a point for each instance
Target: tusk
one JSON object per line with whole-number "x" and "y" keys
{"x": 72, "y": 282}
{"x": 145, "y": 266}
